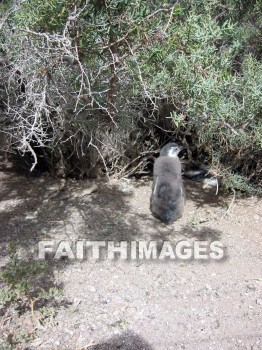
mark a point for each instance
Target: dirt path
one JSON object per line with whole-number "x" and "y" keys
{"x": 135, "y": 304}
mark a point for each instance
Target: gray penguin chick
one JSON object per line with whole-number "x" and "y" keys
{"x": 168, "y": 195}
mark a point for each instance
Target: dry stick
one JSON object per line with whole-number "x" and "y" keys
{"x": 127, "y": 165}
{"x": 170, "y": 19}
{"x": 136, "y": 23}
{"x": 217, "y": 187}
{"x": 33, "y": 154}
{"x": 133, "y": 170}
{"x": 231, "y": 204}
{"x": 91, "y": 343}
{"x": 103, "y": 160}
{"x": 32, "y": 303}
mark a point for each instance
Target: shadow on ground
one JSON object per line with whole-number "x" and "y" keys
{"x": 42, "y": 208}
{"x": 124, "y": 341}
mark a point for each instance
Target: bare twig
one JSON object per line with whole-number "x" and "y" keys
{"x": 231, "y": 204}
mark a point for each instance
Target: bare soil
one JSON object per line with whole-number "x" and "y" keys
{"x": 134, "y": 304}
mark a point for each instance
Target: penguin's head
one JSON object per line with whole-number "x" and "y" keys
{"x": 172, "y": 149}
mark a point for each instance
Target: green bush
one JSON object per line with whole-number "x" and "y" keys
{"x": 108, "y": 77}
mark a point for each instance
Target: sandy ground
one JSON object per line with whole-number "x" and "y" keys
{"x": 134, "y": 304}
